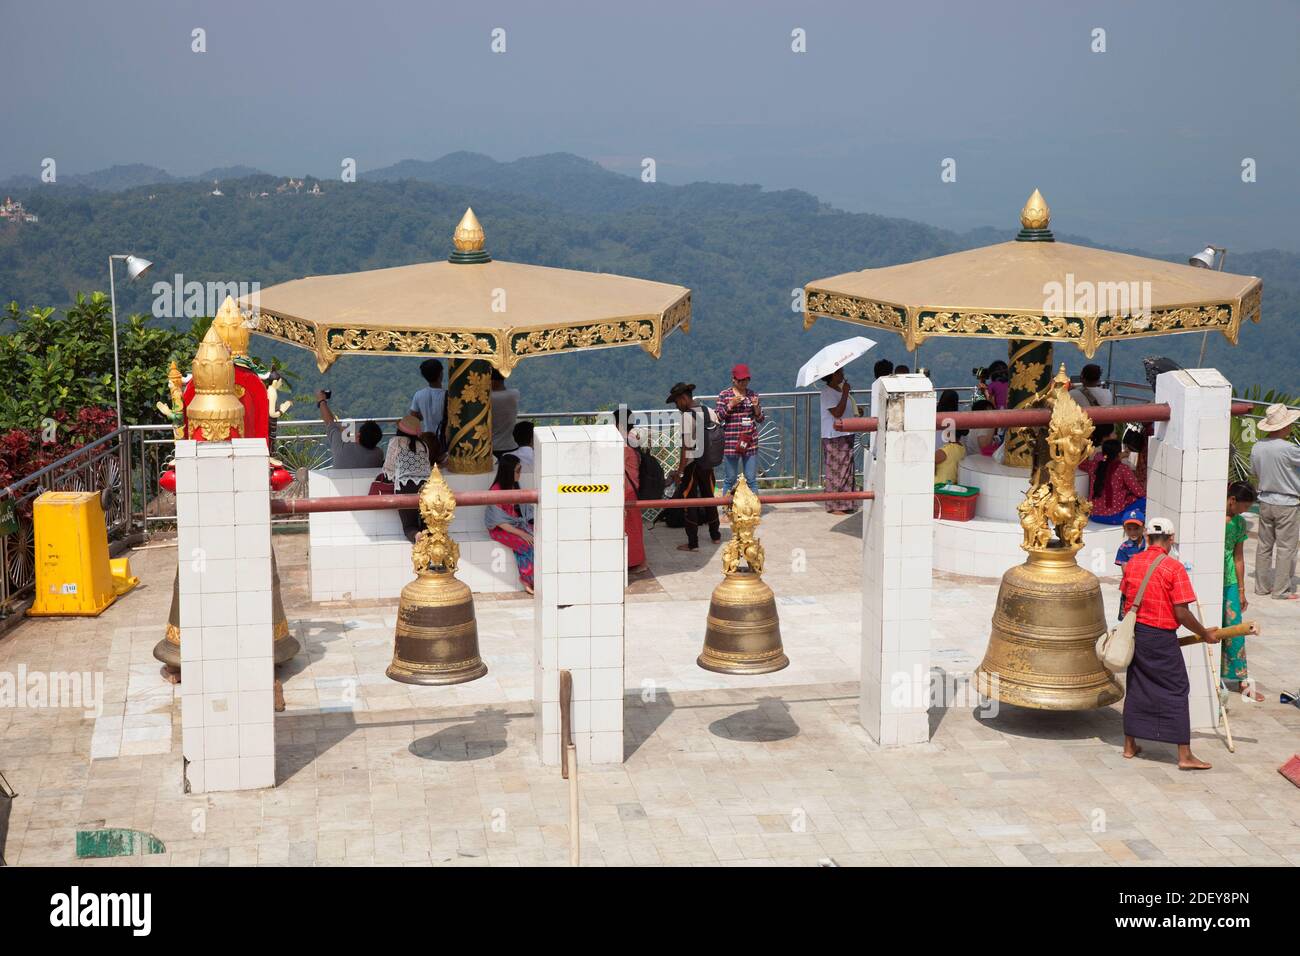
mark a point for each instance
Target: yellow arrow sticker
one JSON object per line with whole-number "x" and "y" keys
{"x": 584, "y": 489}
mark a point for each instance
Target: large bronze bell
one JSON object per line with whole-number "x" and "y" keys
{"x": 743, "y": 635}
{"x": 1049, "y": 614}
{"x": 437, "y": 635}
{"x": 1041, "y": 652}
{"x": 284, "y": 646}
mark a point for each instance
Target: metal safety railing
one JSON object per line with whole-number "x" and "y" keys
{"x": 101, "y": 465}
{"x": 789, "y": 446}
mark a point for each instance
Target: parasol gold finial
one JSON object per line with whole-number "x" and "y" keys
{"x": 434, "y": 547}
{"x": 468, "y": 236}
{"x": 229, "y": 323}
{"x": 1036, "y": 214}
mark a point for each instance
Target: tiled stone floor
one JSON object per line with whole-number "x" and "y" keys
{"x": 771, "y": 770}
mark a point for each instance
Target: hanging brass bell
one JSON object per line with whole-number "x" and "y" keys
{"x": 1049, "y": 615}
{"x": 436, "y": 635}
{"x": 284, "y": 646}
{"x": 743, "y": 634}
{"x": 1041, "y": 651}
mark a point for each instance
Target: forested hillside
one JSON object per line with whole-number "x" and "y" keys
{"x": 740, "y": 249}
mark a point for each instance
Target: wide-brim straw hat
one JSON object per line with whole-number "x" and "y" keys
{"x": 1278, "y": 418}
{"x": 410, "y": 424}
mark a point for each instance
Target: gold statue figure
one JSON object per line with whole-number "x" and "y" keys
{"x": 434, "y": 547}
{"x": 745, "y": 510}
{"x": 1052, "y": 501}
{"x": 175, "y": 412}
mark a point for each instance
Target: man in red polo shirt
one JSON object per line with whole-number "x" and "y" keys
{"x": 1157, "y": 689}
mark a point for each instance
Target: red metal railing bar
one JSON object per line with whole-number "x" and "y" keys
{"x": 289, "y": 506}
{"x": 1028, "y": 417}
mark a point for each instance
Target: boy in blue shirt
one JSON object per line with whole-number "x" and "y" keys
{"x": 1135, "y": 541}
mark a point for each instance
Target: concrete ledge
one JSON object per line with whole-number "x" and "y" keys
{"x": 988, "y": 548}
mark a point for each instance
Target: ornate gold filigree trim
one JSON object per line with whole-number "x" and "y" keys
{"x": 503, "y": 348}
{"x": 850, "y": 308}
{"x": 1088, "y": 332}
{"x": 642, "y": 331}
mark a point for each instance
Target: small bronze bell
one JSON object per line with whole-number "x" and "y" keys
{"x": 283, "y": 644}
{"x": 1049, "y": 614}
{"x": 437, "y": 636}
{"x": 743, "y": 635}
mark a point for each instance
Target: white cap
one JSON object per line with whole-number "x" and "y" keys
{"x": 1160, "y": 526}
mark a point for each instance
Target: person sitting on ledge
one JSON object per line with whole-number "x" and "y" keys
{"x": 981, "y": 441}
{"x": 1114, "y": 489}
{"x": 363, "y": 452}
{"x": 950, "y": 456}
{"x": 506, "y": 524}
{"x": 523, "y": 435}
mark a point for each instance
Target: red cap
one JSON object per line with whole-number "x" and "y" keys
{"x": 740, "y": 370}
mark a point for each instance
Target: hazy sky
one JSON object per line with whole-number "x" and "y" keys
{"x": 1140, "y": 145}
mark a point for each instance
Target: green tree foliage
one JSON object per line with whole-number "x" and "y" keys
{"x": 64, "y": 364}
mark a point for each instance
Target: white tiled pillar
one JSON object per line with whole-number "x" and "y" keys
{"x": 223, "y": 539}
{"x": 1187, "y": 482}
{"x": 581, "y": 570}
{"x": 897, "y": 552}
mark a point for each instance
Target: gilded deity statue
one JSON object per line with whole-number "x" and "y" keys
{"x": 434, "y": 547}
{"x": 745, "y": 510}
{"x": 1052, "y": 501}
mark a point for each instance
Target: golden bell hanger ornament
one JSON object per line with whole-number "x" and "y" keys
{"x": 743, "y": 634}
{"x": 437, "y": 635}
{"x": 1042, "y": 649}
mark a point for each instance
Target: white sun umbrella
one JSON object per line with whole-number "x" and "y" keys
{"x": 832, "y": 358}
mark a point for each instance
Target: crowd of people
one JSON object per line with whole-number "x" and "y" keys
{"x": 727, "y": 438}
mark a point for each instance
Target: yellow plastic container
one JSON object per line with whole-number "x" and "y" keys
{"x": 74, "y": 576}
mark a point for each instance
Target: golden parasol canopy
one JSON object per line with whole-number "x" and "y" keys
{"x": 469, "y": 307}
{"x": 1037, "y": 289}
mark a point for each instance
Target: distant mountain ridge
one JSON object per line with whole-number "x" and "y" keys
{"x": 122, "y": 178}
{"x": 742, "y": 250}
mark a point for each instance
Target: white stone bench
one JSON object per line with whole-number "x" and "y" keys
{"x": 989, "y": 544}
{"x": 358, "y": 555}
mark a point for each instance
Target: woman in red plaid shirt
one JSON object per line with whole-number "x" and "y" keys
{"x": 1157, "y": 689}
{"x": 740, "y": 413}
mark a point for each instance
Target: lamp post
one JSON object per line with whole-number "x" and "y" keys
{"x": 135, "y": 267}
{"x": 1205, "y": 260}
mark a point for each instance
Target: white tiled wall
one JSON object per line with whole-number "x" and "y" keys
{"x": 898, "y": 546}
{"x": 1187, "y": 479}
{"x": 581, "y": 573}
{"x": 358, "y": 555}
{"x": 224, "y": 549}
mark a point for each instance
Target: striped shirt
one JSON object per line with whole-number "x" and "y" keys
{"x": 740, "y": 424}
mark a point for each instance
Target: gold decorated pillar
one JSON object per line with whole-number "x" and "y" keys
{"x": 469, "y": 382}
{"x": 1029, "y": 362}
{"x": 469, "y": 417}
